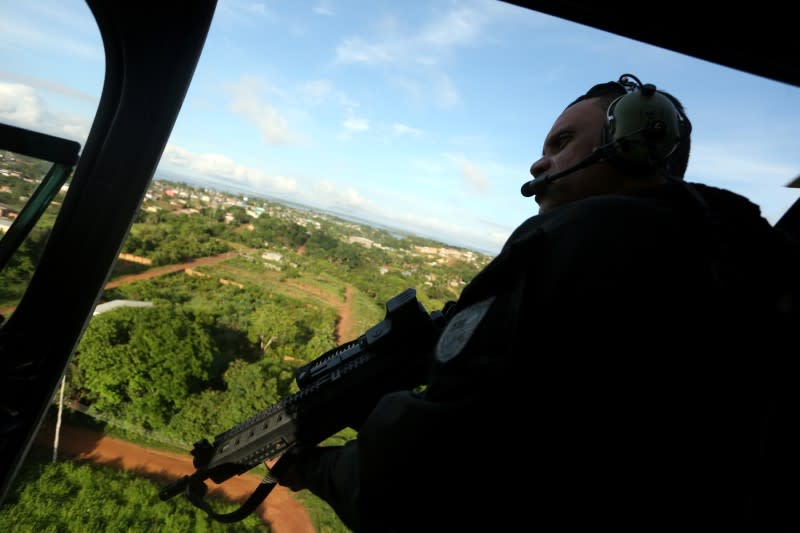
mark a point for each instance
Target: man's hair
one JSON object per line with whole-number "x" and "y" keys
{"x": 675, "y": 165}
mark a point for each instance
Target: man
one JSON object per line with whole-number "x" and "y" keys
{"x": 613, "y": 367}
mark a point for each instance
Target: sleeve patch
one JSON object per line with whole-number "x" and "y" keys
{"x": 460, "y": 329}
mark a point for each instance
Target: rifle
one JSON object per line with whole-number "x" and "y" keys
{"x": 337, "y": 390}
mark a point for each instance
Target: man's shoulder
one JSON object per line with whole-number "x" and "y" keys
{"x": 656, "y": 206}
{"x": 610, "y": 208}
{"x": 599, "y": 214}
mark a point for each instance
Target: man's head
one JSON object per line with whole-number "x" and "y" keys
{"x": 580, "y": 129}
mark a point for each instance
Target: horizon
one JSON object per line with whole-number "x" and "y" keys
{"x": 423, "y": 117}
{"x": 233, "y": 189}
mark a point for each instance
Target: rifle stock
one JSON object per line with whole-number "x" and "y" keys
{"x": 337, "y": 390}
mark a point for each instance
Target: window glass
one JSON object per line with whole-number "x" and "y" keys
{"x": 50, "y": 80}
{"x": 328, "y": 155}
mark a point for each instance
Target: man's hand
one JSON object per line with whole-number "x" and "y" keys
{"x": 295, "y": 468}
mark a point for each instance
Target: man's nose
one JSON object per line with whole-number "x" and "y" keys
{"x": 540, "y": 166}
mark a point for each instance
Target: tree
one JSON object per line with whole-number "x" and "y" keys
{"x": 286, "y": 328}
{"x": 255, "y": 386}
{"x": 142, "y": 363}
{"x": 271, "y": 326}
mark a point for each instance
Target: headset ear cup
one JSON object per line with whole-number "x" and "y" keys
{"x": 610, "y": 125}
{"x": 609, "y": 132}
{"x": 644, "y": 127}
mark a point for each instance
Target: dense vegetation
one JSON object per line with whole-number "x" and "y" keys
{"x": 221, "y": 342}
{"x": 168, "y": 239}
{"x": 185, "y": 369}
{"x": 71, "y": 496}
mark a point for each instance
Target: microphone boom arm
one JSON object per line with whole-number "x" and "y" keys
{"x": 537, "y": 185}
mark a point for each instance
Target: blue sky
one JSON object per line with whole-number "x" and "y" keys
{"x": 423, "y": 115}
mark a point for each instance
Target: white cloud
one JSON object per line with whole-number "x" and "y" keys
{"x": 356, "y": 50}
{"x": 403, "y": 129}
{"x": 445, "y": 92}
{"x": 235, "y": 12}
{"x": 220, "y": 166}
{"x": 346, "y": 101}
{"x": 330, "y": 195}
{"x": 422, "y": 50}
{"x": 20, "y": 104}
{"x": 246, "y": 101}
{"x": 458, "y": 27}
{"x": 255, "y": 7}
{"x": 475, "y": 178}
{"x": 450, "y": 229}
{"x": 14, "y": 32}
{"x": 446, "y": 224}
{"x": 429, "y": 86}
{"x": 356, "y": 124}
{"x": 428, "y": 166}
{"x": 23, "y": 106}
{"x": 317, "y": 90}
{"x": 51, "y": 86}
{"x": 323, "y": 7}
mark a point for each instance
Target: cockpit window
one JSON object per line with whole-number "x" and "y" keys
{"x": 34, "y": 173}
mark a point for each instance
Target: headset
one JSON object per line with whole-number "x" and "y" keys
{"x": 643, "y": 127}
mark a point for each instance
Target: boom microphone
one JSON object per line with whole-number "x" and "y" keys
{"x": 539, "y": 184}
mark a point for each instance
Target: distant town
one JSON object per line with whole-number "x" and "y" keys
{"x": 190, "y": 199}
{"x": 20, "y": 175}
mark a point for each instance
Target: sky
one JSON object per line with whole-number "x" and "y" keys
{"x": 421, "y": 115}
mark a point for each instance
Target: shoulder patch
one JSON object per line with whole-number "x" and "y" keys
{"x": 460, "y": 329}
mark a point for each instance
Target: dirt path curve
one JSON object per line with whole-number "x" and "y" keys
{"x": 168, "y": 269}
{"x": 280, "y": 509}
{"x": 345, "y": 328}
{"x": 152, "y": 273}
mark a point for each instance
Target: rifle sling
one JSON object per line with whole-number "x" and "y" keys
{"x": 196, "y": 491}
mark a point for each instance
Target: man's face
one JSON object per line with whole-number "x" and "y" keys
{"x": 572, "y": 138}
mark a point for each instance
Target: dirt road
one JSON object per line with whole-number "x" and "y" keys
{"x": 150, "y": 273}
{"x": 169, "y": 269}
{"x": 345, "y": 327}
{"x": 280, "y": 509}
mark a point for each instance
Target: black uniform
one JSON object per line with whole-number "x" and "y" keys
{"x": 612, "y": 367}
